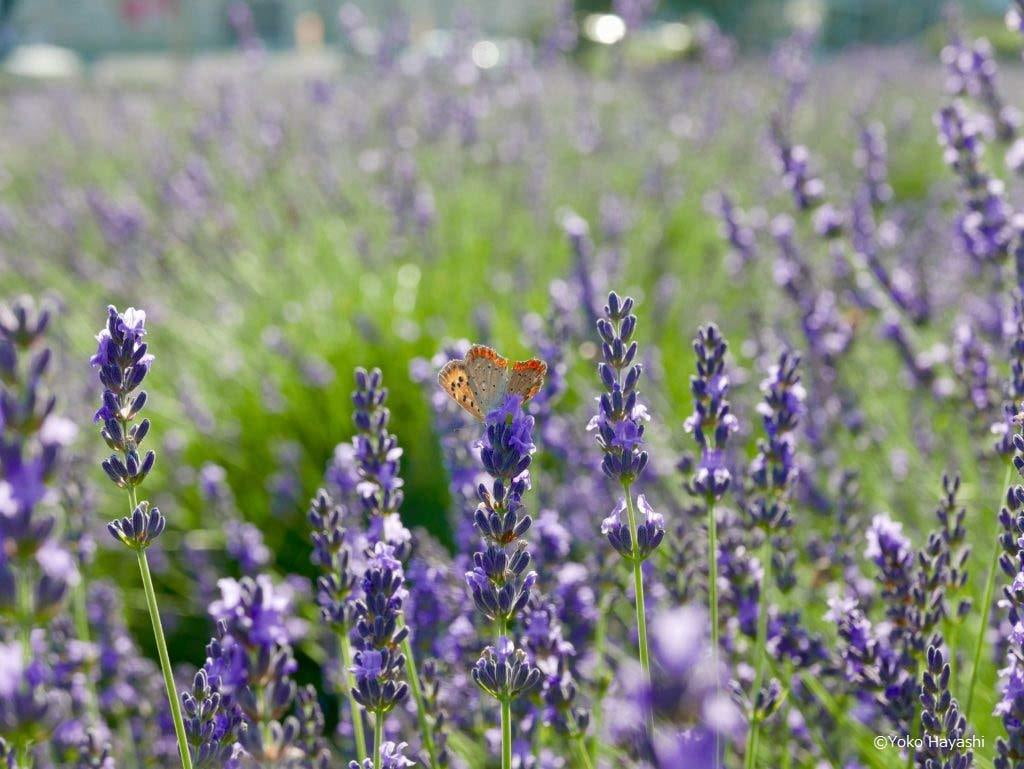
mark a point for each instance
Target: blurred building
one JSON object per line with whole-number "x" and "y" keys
{"x": 93, "y": 27}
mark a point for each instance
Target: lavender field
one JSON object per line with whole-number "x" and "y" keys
{"x": 741, "y": 486}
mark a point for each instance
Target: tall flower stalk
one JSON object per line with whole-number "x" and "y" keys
{"x": 35, "y": 571}
{"x": 123, "y": 360}
{"x": 379, "y": 663}
{"x": 620, "y": 433}
{"x": 335, "y": 595}
{"x": 711, "y": 423}
{"x": 1009, "y": 448}
{"x": 773, "y": 475}
{"x": 378, "y": 456}
{"x": 499, "y": 581}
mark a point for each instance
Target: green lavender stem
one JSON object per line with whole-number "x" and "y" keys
{"x": 584, "y": 754}
{"x": 161, "y": 646}
{"x": 165, "y": 660}
{"x": 81, "y": 614}
{"x": 986, "y": 608}
{"x": 378, "y": 739}
{"x": 421, "y": 704}
{"x": 713, "y": 597}
{"x": 506, "y": 712}
{"x": 600, "y": 641}
{"x": 641, "y": 609}
{"x": 24, "y": 609}
{"x": 754, "y": 732}
{"x": 638, "y": 587}
{"x": 506, "y": 734}
{"x": 357, "y": 711}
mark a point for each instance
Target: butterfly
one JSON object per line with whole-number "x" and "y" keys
{"x": 480, "y": 381}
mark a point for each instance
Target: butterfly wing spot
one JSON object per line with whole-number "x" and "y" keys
{"x": 527, "y": 378}
{"x": 454, "y": 380}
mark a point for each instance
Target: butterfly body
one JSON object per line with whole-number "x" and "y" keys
{"x": 480, "y": 382}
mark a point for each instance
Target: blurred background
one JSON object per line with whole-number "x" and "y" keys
{"x": 291, "y": 188}
{"x": 93, "y": 29}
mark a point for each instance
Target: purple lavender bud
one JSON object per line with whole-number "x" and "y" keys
{"x": 650, "y": 530}
{"x": 774, "y": 468}
{"x": 377, "y": 457}
{"x": 793, "y": 163}
{"x": 23, "y": 323}
{"x": 499, "y": 582}
{"x": 712, "y": 421}
{"x": 735, "y": 228}
{"x": 943, "y": 728}
{"x": 212, "y": 722}
{"x": 686, "y": 692}
{"x": 505, "y": 672}
{"x": 620, "y": 418}
{"x": 972, "y": 72}
{"x": 139, "y": 530}
{"x": 871, "y": 158}
{"x": 392, "y": 756}
{"x": 331, "y": 553}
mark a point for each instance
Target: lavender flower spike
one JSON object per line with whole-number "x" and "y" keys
{"x": 773, "y": 473}
{"x": 123, "y": 359}
{"x": 500, "y": 581}
{"x": 620, "y": 420}
{"x": 335, "y": 592}
{"x": 378, "y": 460}
{"x": 711, "y": 424}
{"x": 379, "y": 662}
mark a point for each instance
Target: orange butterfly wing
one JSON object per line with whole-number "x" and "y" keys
{"x": 527, "y": 378}
{"x": 479, "y": 382}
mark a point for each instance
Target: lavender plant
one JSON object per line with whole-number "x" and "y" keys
{"x": 377, "y": 456}
{"x": 619, "y": 424}
{"x": 335, "y": 595}
{"x": 773, "y": 474}
{"x": 379, "y": 661}
{"x": 711, "y": 424}
{"x": 123, "y": 360}
{"x": 499, "y": 580}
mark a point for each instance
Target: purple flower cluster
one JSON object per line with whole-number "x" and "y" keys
{"x": 42, "y": 676}
{"x": 377, "y": 457}
{"x": 379, "y": 662}
{"x": 31, "y": 433}
{"x": 123, "y": 360}
{"x": 712, "y": 420}
{"x": 984, "y": 228}
{"x": 499, "y": 581}
{"x": 793, "y": 163}
{"x": 29, "y": 709}
{"x": 686, "y": 693}
{"x": 872, "y": 158}
{"x": 214, "y": 724}
{"x": 251, "y": 663}
{"x": 972, "y": 70}
{"x": 336, "y": 585}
